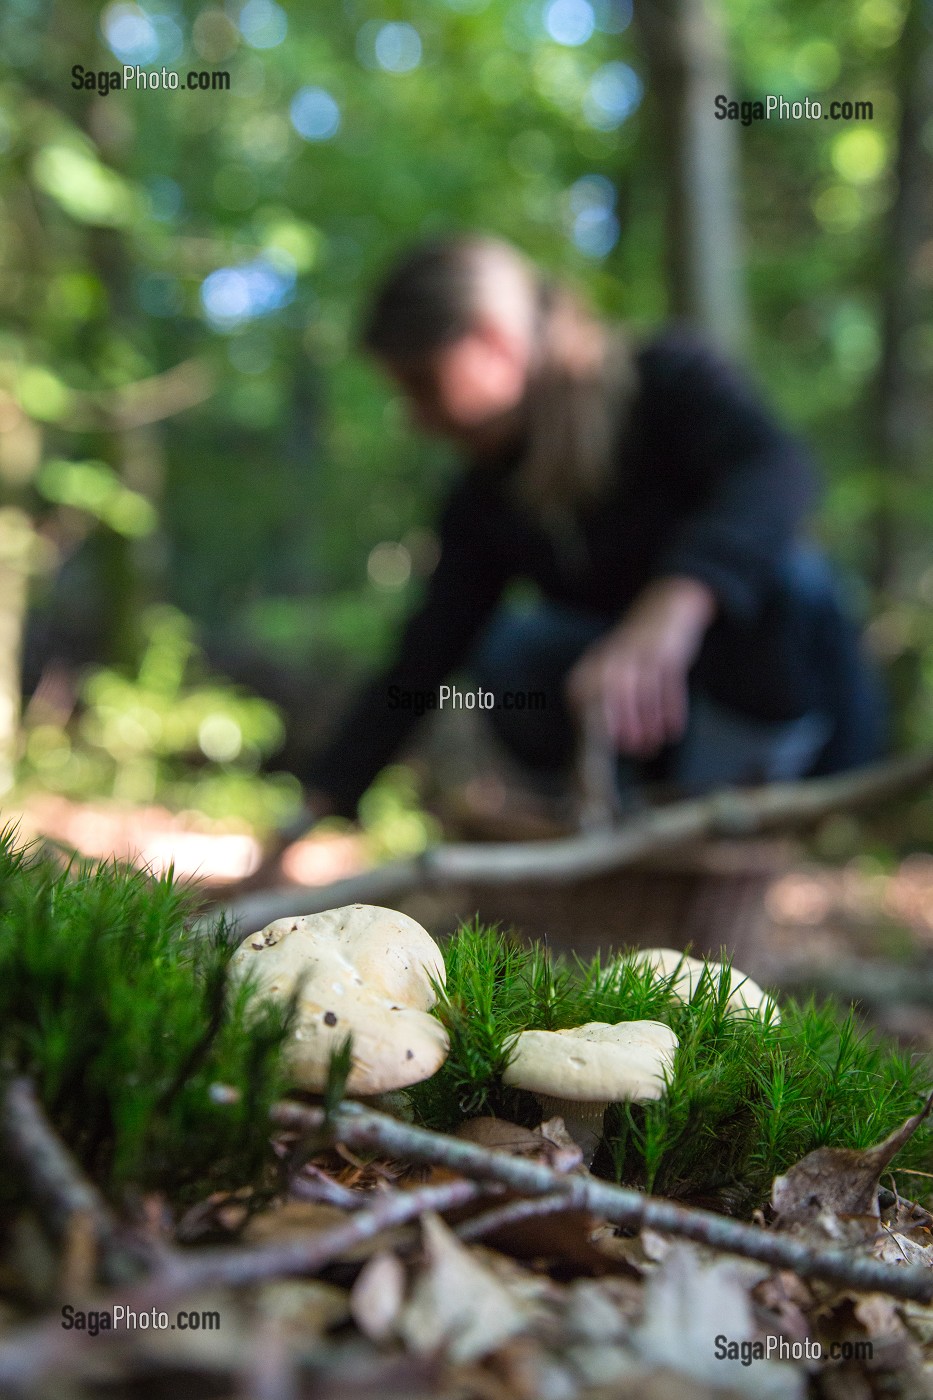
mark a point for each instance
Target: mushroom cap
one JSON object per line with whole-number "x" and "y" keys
{"x": 361, "y": 971}
{"x": 595, "y": 1063}
{"x": 745, "y": 995}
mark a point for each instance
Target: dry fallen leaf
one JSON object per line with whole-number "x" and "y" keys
{"x": 550, "y": 1143}
{"x": 377, "y": 1296}
{"x": 499, "y": 1135}
{"x": 457, "y": 1304}
{"x": 304, "y": 1308}
{"x": 856, "y": 1318}
{"x": 624, "y": 1250}
{"x": 783, "y": 1303}
{"x": 878, "y": 1314}
{"x": 286, "y": 1219}
{"x": 560, "y": 1151}
{"x": 894, "y": 1248}
{"x": 835, "y": 1189}
{"x": 601, "y": 1311}
{"x": 222, "y": 1347}
{"x": 689, "y": 1303}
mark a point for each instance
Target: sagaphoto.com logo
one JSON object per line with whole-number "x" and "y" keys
{"x": 103, "y": 81}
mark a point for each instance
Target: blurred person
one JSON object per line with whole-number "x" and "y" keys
{"x": 656, "y": 505}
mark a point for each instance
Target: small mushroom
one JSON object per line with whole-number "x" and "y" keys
{"x": 577, "y": 1073}
{"x": 362, "y": 971}
{"x": 686, "y": 973}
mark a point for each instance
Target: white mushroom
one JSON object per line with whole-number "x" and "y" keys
{"x": 577, "y": 1073}
{"x": 686, "y": 973}
{"x": 362, "y": 971}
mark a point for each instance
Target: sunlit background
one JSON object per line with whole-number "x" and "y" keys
{"x": 211, "y": 510}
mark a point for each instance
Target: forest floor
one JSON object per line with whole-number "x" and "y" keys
{"x": 562, "y": 1306}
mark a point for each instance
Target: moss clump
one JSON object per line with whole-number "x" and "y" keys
{"x": 128, "y": 1029}
{"x": 747, "y": 1097}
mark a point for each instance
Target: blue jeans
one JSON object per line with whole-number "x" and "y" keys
{"x": 788, "y": 696}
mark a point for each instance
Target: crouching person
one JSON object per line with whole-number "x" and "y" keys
{"x": 657, "y": 507}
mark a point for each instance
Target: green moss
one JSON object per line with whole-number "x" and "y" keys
{"x": 747, "y": 1096}
{"x": 153, "y": 1072}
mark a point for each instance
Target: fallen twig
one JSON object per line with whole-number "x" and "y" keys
{"x": 512, "y": 1213}
{"x": 316, "y": 1186}
{"x": 37, "y": 1350}
{"x": 362, "y": 1129}
{"x": 383, "y": 883}
{"x": 776, "y": 807}
{"x": 56, "y": 1184}
{"x": 236, "y": 1266}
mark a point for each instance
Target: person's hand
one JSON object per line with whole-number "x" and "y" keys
{"x": 635, "y": 678}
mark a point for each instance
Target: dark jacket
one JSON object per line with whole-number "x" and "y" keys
{"x": 707, "y": 485}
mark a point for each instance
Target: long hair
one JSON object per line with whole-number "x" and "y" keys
{"x": 582, "y": 375}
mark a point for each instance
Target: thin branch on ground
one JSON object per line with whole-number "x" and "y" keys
{"x": 776, "y": 807}
{"x": 512, "y": 1213}
{"x": 253, "y": 911}
{"x": 36, "y": 1351}
{"x": 317, "y": 1187}
{"x": 57, "y": 1186}
{"x": 364, "y": 1130}
{"x": 235, "y": 1266}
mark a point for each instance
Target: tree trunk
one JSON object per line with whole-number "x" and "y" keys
{"x": 685, "y": 52}
{"x": 17, "y": 546}
{"x": 896, "y": 408}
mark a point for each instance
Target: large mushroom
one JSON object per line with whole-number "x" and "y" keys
{"x": 577, "y": 1073}
{"x": 360, "y": 971}
{"x": 685, "y": 974}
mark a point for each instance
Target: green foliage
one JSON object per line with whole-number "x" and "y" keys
{"x": 107, "y": 244}
{"x": 393, "y": 820}
{"x": 164, "y": 734}
{"x": 291, "y": 461}
{"x": 338, "y": 1072}
{"x": 747, "y": 1096}
{"x": 156, "y": 1073}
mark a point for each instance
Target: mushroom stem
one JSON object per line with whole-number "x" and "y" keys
{"x": 583, "y": 1121}
{"x": 395, "y": 1102}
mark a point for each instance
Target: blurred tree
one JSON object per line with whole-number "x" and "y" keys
{"x": 687, "y": 65}
{"x": 898, "y": 419}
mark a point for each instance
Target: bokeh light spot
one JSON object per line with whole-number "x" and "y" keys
{"x": 590, "y": 215}
{"x": 214, "y": 36}
{"x": 231, "y": 296}
{"x": 569, "y": 22}
{"x": 315, "y": 114}
{"x": 838, "y": 208}
{"x": 389, "y": 566}
{"x": 816, "y": 64}
{"x": 220, "y": 738}
{"x": 397, "y": 47}
{"x": 858, "y": 155}
{"x": 130, "y": 33}
{"x": 614, "y": 92}
{"x": 263, "y": 24}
